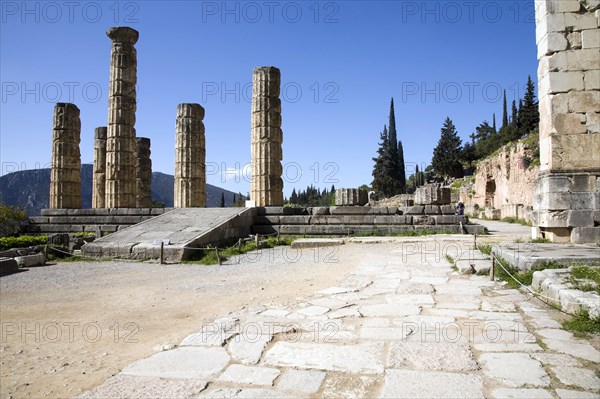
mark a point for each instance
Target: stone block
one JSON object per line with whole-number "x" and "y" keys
{"x": 551, "y": 42}
{"x": 351, "y": 197}
{"x": 574, "y": 39}
{"x": 31, "y": 260}
{"x": 415, "y": 210}
{"x": 350, "y": 210}
{"x": 591, "y": 79}
{"x": 447, "y": 210}
{"x": 580, "y": 21}
{"x": 567, "y": 6}
{"x": 552, "y": 23}
{"x": 592, "y": 121}
{"x": 562, "y": 82}
{"x": 580, "y": 219}
{"x": 8, "y": 266}
{"x": 575, "y": 151}
{"x": 432, "y": 210}
{"x": 583, "y": 101}
{"x": 584, "y": 235}
{"x": 433, "y": 195}
{"x": 583, "y": 59}
{"x": 590, "y": 38}
{"x": 320, "y": 210}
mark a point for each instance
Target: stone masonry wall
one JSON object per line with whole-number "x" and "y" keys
{"x": 566, "y": 199}
{"x": 504, "y": 182}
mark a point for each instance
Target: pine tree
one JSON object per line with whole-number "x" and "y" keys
{"x": 530, "y": 118}
{"x": 222, "y": 200}
{"x": 382, "y": 170}
{"x": 401, "y": 168}
{"x": 447, "y": 153}
{"x": 294, "y": 197}
{"x": 504, "y": 113}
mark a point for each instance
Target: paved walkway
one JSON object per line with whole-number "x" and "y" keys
{"x": 403, "y": 325}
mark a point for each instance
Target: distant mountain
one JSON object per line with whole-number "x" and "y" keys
{"x": 30, "y": 189}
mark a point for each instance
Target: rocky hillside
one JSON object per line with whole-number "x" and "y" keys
{"x": 30, "y": 189}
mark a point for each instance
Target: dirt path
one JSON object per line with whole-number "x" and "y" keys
{"x": 68, "y": 327}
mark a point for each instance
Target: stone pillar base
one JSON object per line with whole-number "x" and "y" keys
{"x": 566, "y": 206}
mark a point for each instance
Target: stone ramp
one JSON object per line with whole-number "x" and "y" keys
{"x": 180, "y": 230}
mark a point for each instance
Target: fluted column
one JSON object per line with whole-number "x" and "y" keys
{"x": 120, "y": 143}
{"x": 266, "y": 185}
{"x": 143, "y": 173}
{"x": 65, "y": 172}
{"x": 99, "y": 177}
{"x": 190, "y": 154}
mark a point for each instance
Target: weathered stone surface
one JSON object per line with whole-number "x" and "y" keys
{"x": 430, "y": 384}
{"x": 120, "y": 183}
{"x": 338, "y": 386}
{"x": 186, "y": 362}
{"x": 575, "y": 376}
{"x": 125, "y": 386}
{"x": 31, "y": 260}
{"x": 99, "y": 177}
{"x": 432, "y": 194}
{"x": 65, "y": 166}
{"x": 250, "y": 375}
{"x": 247, "y": 348}
{"x": 190, "y": 155}
{"x": 361, "y": 358}
{"x": 305, "y": 381}
{"x": 266, "y": 185}
{"x": 389, "y": 310}
{"x": 514, "y": 369}
{"x": 245, "y": 393}
{"x": 351, "y": 197}
{"x": 571, "y": 394}
{"x": 143, "y": 173}
{"x": 440, "y": 356}
{"x": 523, "y": 393}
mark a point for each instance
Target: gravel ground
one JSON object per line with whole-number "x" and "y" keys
{"x": 67, "y": 327}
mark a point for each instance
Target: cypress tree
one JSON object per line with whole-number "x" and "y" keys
{"x": 222, "y": 200}
{"x": 494, "y": 124}
{"x": 401, "y": 170}
{"x": 447, "y": 154}
{"x": 417, "y": 177}
{"x": 504, "y": 113}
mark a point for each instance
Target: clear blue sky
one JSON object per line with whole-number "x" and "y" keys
{"x": 340, "y": 62}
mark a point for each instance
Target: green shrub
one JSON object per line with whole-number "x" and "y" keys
{"x": 12, "y": 220}
{"x": 21, "y": 242}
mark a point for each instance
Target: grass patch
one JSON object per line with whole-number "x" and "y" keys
{"x": 452, "y": 262}
{"x": 209, "y": 256}
{"x": 22, "y": 241}
{"x": 523, "y": 277}
{"x": 585, "y": 278}
{"x": 540, "y": 241}
{"x": 581, "y": 324}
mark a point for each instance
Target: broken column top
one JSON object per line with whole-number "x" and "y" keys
{"x": 100, "y": 133}
{"x": 190, "y": 111}
{"x": 143, "y": 141}
{"x": 268, "y": 70}
{"x": 123, "y": 34}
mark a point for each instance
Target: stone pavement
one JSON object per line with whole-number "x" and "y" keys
{"x": 404, "y": 324}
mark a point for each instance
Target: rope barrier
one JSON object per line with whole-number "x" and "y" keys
{"x": 532, "y": 292}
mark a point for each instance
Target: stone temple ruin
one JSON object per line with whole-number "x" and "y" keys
{"x": 565, "y": 203}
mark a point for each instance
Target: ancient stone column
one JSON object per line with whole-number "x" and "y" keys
{"x": 99, "y": 177}
{"x": 351, "y": 197}
{"x": 566, "y": 201}
{"x": 65, "y": 173}
{"x": 190, "y": 154}
{"x": 143, "y": 174}
{"x": 120, "y": 142}
{"x": 266, "y": 185}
